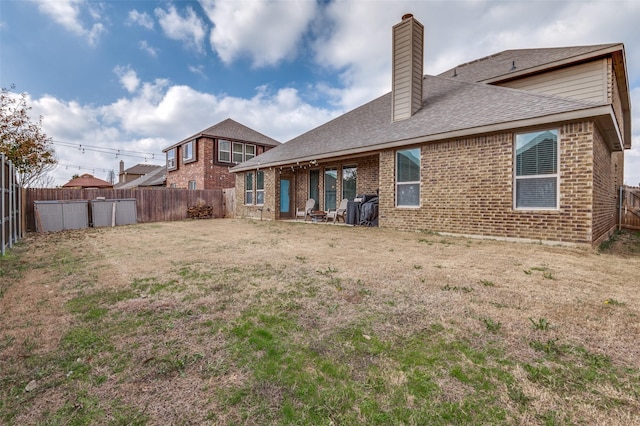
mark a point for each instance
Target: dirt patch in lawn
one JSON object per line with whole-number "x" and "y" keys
{"x": 240, "y": 321}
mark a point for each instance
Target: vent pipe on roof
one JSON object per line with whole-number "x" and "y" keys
{"x": 408, "y": 54}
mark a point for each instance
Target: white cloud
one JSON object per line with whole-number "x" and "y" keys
{"x": 199, "y": 70}
{"x": 128, "y": 78}
{"x": 265, "y": 31}
{"x": 143, "y": 19}
{"x": 150, "y": 50}
{"x": 188, "y": 28}
{"x": 67, "y": 13}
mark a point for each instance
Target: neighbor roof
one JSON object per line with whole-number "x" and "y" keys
{"x": 515, "y": 63}
{"x": 141, "y": 169}
{"x": 451, "y": 108}
{"x": 87, "y": 181}
{"x": 155, "y": 177}
{"x": 230, "y": 129}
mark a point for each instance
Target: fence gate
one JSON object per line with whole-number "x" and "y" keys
{"x": 10, "y": 204}
{"x": 629, "y": 207}
{"x": 229, "y": 196}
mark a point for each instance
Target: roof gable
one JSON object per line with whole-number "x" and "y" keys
{"x": 518, "y": 62}
{"x": 230, "y": 129}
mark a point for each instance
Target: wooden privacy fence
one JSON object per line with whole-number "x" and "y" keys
{"x": 630, "y": 207}
{"x": 152, "y": 205}
{"x": 10, "y": 205}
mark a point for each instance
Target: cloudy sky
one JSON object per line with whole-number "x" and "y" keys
{"x": 121, "y": 80}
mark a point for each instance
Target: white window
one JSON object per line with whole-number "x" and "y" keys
{"x": 238, "y": 153}
{"x": 187, "y": 152}
{"x": 224, "y": 151}
{"x": 536, "y": 170}
{"x": 249, "y": 152}
{"x": 260, "y": 187}
{"x": 192, "y": 184}
{"x": 248, "y": 188}
{"x": 171, "y": 159}
{"x": 408, "y": 178}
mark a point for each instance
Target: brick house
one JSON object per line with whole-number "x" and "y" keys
{"x": 525, "y": 144}
{"x": 203, "y": 160}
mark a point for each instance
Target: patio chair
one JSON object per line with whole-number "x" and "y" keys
{"x": 338, "y": 213}
{"x": 308, "y": 208}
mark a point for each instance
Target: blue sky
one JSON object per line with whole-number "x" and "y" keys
{"x": 138, "y": 76}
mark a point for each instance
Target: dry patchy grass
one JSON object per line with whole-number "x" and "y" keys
{"x": 247, "y": 322}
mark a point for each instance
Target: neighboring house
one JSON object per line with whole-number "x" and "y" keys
{"x": 87, "y": 181}
{"x": 133, "y": 173}
{"x": 203, "y": 160}
{"x": 156, "y": 177}
{"x": 525, "y": 144}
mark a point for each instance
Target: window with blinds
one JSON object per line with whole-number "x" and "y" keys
{"x": 536, "y": 170}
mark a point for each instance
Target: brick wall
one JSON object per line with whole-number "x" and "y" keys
{"x": 604, "y": 189}
{"x": 206, "y": 174}
{"x": 252, "y": 210}
{"x": 467, "y": 188}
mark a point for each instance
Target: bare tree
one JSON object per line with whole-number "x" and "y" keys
{"x": 23, "y": 140}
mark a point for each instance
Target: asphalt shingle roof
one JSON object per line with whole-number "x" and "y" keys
{"x": 87, "y": 181}
{"x": 141, "y": 169}
{"x": 231, "y": 129}
{"x": 448, "y": 105}
{"x": 500, "y": 64}
{"x": 154, "y": 177}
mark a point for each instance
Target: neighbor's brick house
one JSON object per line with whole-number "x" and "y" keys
{"x": 203, "y": 160}
{"x": 525, "y": 144}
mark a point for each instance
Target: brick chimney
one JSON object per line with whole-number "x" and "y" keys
{"x": 408, "y": 51}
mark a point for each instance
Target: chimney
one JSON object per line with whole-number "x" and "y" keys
{"x": 121, "y": 174}
{"x": 408, "y": 51}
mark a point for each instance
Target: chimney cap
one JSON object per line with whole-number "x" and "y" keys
{"x": 407, "y": 16}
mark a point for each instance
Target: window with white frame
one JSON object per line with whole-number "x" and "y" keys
{"x": 259, "y": 187}
{"x": 536, "y": 170}
{"x": 238, "y": 152}
{"x": 248, "y": 188}
{"x": 192, "y": 184}
{"x": 408, "y": 178}
{"x": 171, "y": 159}
{"x": 224, "y": 151}
{"x": 187, "y": 152}
{"x": 249, "y": 152}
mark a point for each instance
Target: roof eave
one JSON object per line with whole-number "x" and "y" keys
{"x": 603, "y": 114}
